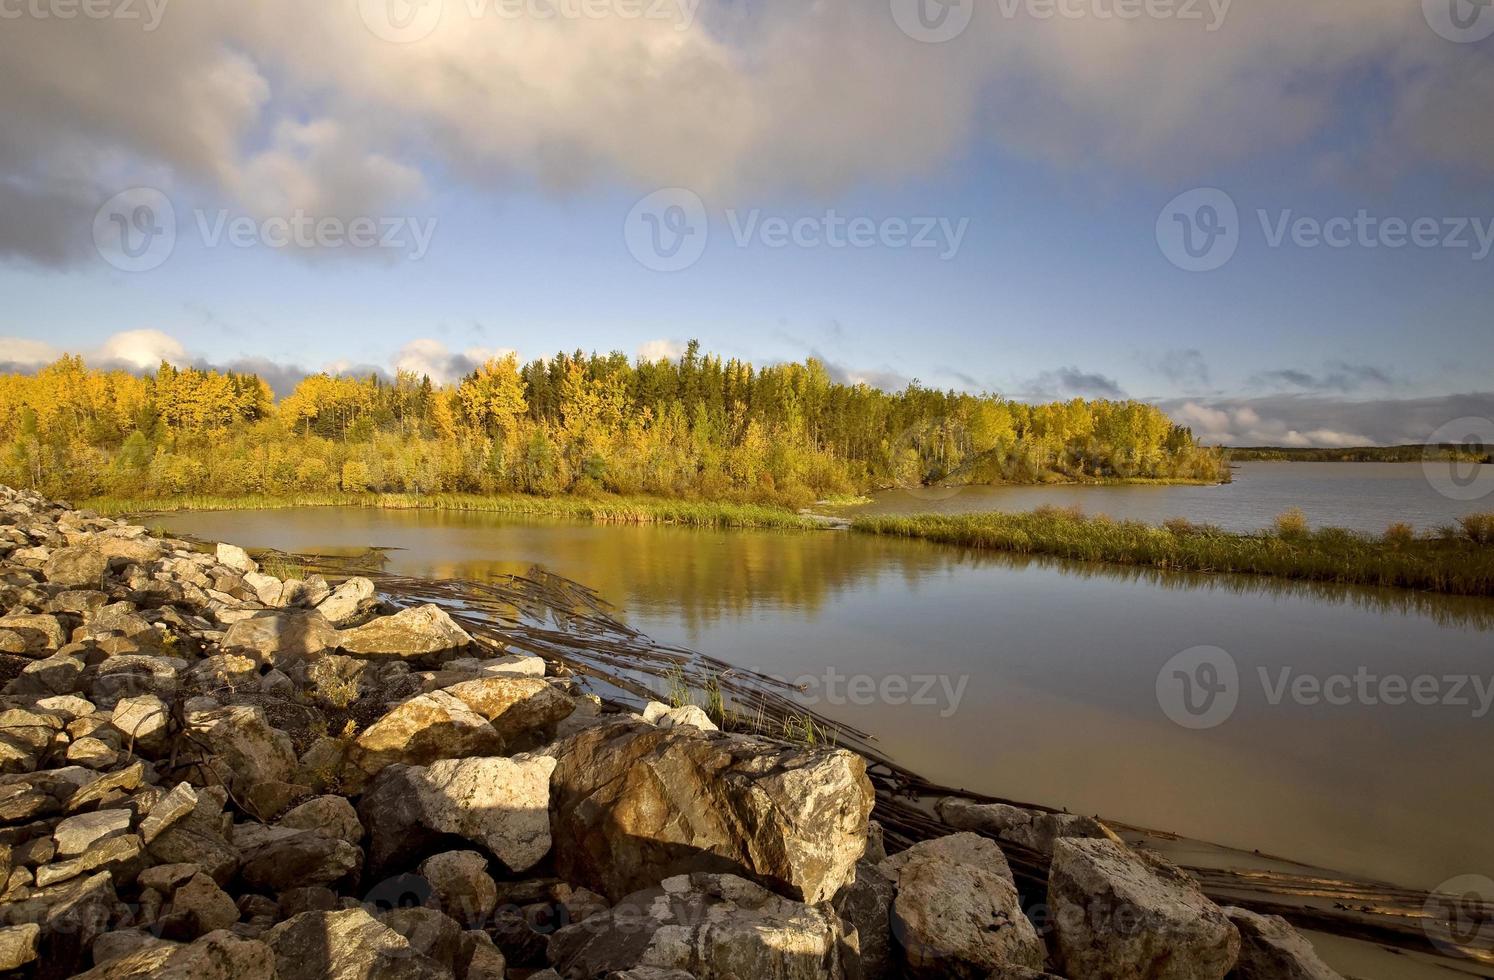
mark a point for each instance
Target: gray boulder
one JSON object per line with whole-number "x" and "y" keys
{"x": 713, "y": 927}
{"x": 502, "y": 805}
{"x": 347, "y": 945}
{"x": 957, "y": 912}
{"x": 1035, "y": 830}
{"x": 1117, "y": 913}
{"x": 1270, "y": 949}
{"x": 409, "y": 633}
{"x": 634, "y": 804}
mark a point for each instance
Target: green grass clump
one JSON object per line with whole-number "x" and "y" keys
{"x": 1457, "y": 564}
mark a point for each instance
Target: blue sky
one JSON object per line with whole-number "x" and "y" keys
{"x": 1048, "y": 151}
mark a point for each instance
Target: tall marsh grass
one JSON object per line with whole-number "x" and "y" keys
{"x": 1457, "y": 565}
{"x": 597, "y": 510}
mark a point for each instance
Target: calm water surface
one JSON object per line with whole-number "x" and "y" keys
{"x": 1055, "y": 667}
{"x": 1362, "y": 496}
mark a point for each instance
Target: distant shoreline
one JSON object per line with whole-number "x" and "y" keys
{"x": 1359, "y": 454}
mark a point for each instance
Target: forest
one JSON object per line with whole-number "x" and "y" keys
{"x": 697, "y": 427}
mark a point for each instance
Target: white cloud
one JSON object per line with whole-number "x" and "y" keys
{"x": 141, "y": 350}
{"x": 282, "y": 103}
{"x": 661, "y": 350}
{"x": 443, "y": 366}
{"x": 21, "y": 354}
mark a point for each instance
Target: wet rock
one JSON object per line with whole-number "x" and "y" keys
{"x": 344, "y": 602}
{"x": 634, "y": 803}
{"x": 956, "y": 912}
{"x": 500, "y": 804}
{"x": 461, "y": 886}
{"x": 1118, "y": 913}
{"x": 348, "y": 945}
{"x": 1035, "y": 830}
{"x": 713, "y": 927}
{"x": 417, "y": 632}
{"x": 1270, "y": 949}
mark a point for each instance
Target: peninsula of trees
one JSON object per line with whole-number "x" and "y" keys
{"x": 699, "y": 427}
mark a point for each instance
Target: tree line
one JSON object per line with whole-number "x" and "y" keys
{"x": 697, "y": 426}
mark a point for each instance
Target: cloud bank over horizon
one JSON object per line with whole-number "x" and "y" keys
{"x": 280, "y": 106}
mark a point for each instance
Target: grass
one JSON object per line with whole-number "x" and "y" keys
{"x": 597, "y": 510}
{"x": 1452, "y": 562}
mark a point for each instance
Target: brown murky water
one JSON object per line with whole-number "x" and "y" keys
{"x": 1038, "y": 680}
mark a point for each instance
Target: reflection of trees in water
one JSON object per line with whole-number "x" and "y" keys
{"x": 703, "y": 576}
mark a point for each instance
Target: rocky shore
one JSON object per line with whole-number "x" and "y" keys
{"x": 208, "y": 772}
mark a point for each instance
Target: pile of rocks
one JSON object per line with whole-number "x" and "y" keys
{"x": 208, "y": 772}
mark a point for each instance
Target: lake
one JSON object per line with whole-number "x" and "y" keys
{"x": 1362, "y": 496}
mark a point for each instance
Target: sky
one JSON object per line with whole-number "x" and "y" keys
{"x": 1272, "y": 217}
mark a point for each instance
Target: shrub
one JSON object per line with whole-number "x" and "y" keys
{"x": 1291, "y": 523}
{"x": 1180, "y": 526}
{"x": 1400, "y": 535}
{"x": 1479, "y": 528}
